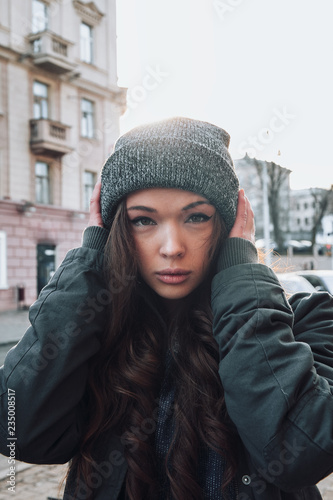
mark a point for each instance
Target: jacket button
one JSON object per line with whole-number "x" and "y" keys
{"x": 246, "y": 479}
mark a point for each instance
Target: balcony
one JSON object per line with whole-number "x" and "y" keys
{"x": 49, "y": 137}
{"x": 51, "y": 52}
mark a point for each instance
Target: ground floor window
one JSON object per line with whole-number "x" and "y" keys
{"x": 45, "y": 264}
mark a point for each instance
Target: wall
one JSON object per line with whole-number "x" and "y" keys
{"x": 50, "y": 225}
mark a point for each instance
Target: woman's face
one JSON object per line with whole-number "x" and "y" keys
{"x": 173, "y": 231}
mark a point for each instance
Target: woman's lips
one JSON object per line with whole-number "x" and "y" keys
{"x": 173, "y": 276}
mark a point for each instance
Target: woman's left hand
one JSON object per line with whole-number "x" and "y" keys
{"x": 244, "y": 226}
{"x": 95, "y": 218}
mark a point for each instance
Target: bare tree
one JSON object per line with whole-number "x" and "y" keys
{"x": 322, "y": 198}
{"x": 277, "y": 176}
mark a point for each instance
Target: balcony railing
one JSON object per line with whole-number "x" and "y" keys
{"x": 49, "y": 137}
{"x": 51, "y": 52}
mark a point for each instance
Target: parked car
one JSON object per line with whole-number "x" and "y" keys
{"x": 320, "y": 279}
{"x": 303, "y": 246}
{"x": 261, "y": 244}
{"x": 292, "y": 283}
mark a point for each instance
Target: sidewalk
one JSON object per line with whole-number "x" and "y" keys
{"x": 35, "y": 482}
{"x": 13, "y": 325}
{"x": 326, "y": 488}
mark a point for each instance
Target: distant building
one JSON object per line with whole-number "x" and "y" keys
{"x": 59, "y": 118}
{"x": 297, "y": 208}
{"x": 304, "y": 209}
{"x": 249, "y": 171}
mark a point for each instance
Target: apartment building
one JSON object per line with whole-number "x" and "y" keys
{"x": 60, "y": 107}
{"x": 305, "y": 208}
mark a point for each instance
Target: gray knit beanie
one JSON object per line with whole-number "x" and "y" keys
{"x": 176, "y": 153}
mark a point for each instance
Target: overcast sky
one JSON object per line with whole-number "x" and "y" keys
{"x": 261, "y": 69}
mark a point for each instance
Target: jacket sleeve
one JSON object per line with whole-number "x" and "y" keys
{"x": 43, "y": 379}
{"x": 277, "y": 370}
{"x": 313, "y": 325}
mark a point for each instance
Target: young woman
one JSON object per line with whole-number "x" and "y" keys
{"x": 163, "y": 360}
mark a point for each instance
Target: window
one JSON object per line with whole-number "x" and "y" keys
{"x": 40, "y": 91}
{"x": 39, "y": 16}
{"x": 86, "y": 41}
{"x": 42, "y": 180}
{"x": 305, "y": 205}
{"x": 3, "y": 260}
{"x": 87, "y": 118}
{"x": 89, "y": 180}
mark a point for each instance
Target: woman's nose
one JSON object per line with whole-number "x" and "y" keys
{"x": 172, "y": 244}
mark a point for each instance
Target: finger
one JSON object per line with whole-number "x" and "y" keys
{"x": 241, "y": 217}
{"x": 97, "y": 191}
{"x": 249, "y": 231}
{"x": 95, "y": 218}
{"x": 244, "y": 226}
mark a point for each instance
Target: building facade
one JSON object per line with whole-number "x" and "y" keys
{"x": 60, "y": 107}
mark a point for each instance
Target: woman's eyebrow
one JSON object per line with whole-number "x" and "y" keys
{"x": 141, "y": 207}
{"x": 195, "y": 204}
{"x": 153, "y": 210}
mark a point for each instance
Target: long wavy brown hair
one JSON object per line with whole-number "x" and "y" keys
{"x": 127, "y": 373}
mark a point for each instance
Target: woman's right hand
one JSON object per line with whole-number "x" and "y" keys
{"x": 95, "y": 218}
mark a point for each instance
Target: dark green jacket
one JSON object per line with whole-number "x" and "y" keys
{"x": 276, "y": 368}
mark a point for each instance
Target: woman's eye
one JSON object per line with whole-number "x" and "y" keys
{"x": 198, "y": 218}
{"x": 142, "y": 221}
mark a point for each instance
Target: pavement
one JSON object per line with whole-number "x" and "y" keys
{"x": 326, "y": 488}
{"x": 44, "y": 482}
{"x": 13, "y": 325}
{"x": 32, "y": 482}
